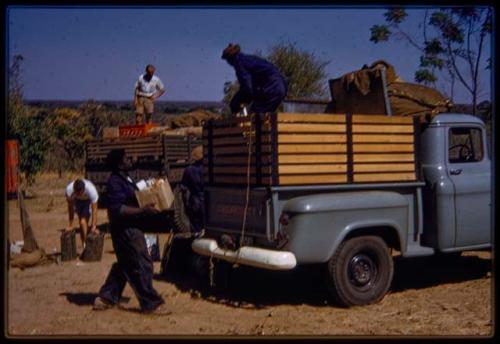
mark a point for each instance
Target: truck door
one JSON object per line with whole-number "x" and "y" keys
{"x": 469, "y": 170}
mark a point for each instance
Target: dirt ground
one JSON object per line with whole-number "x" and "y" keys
{"x": 429, "y": 297}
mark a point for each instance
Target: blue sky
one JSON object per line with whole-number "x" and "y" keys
{"x": 98, "y": 53}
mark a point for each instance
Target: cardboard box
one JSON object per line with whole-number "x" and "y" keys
{"x": 160, "y": 194}
{"x": 110, "y": 132}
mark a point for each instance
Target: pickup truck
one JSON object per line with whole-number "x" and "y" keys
{"x": 355, "y": 229}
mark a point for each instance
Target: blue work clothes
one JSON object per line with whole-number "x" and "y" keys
{"x": 260, "y": 83}
{"x": 134, "y": 263}
{"x": 192, "y": 181}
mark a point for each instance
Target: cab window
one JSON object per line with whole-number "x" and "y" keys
{"x": 465, "y": 145}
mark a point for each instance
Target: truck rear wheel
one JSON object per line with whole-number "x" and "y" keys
{"x": 360, "y": 272}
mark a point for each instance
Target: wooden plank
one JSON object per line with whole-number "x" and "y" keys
{"x": 357, "y": 158}
{"x": 239, "y": 180}
{"x": 313, "y": 179}
{"x": 238, "y": 149}
{"x": 312, "y": 169}
{"x": 379, "y": 138}
{"x": 239, "y": 130}
{"x": 234, "y": 160}
{"x": 242, "y": 170}
{"x": 312, "y": 138}
{"x": 311, "y": 128}
{"x": 236, "y": 140}
{"x": 312, "y": 158}
{"x": 357, "y": 118}
{"x": 383, "y": 177}
{"x": 310, "y": 118}
{"x": 387, "y": 129}
{"x": 408, "y": 167}
{"x": 383, "y": 148}
{"x": 312, "y": 148}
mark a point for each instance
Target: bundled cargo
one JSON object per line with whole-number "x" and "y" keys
{"x": 294, "y": 149}
{"x": 377, "y": 89}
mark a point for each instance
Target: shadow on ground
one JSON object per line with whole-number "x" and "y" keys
{"x": 86, "y": 299}
{"x": 257, "y": 288}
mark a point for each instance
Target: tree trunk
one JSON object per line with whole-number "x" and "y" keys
{"x": 30, "y": 243}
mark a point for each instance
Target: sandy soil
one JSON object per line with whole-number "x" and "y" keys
{"x": 429, "y": 297}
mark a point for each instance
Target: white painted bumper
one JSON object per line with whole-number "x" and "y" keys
{"x": 246, "y": 255}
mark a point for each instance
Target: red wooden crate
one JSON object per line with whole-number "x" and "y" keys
{"x": 135, "y": 130}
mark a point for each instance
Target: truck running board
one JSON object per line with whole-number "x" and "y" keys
{"x": 415, "y": 250}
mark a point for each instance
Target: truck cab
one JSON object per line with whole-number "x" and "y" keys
{"x": 457, "y": 196}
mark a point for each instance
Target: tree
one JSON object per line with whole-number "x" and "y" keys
{"x": 26, "y": 125}
{"x": 33, "y": 142}
{"x": 69, "y": 130}
{"x": 452, "y": 44}
{"x": 304, "y": 72}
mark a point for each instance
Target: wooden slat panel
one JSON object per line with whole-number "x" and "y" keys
{"x": 312, "y": 138}
{"x": 388, "y": 129}
{"x": 410, "y": 167}
{"x": 313, "y": 117}
{"x": 311, "y": 169}
{"x": 381, "y": 119}
{"x": 311, "y": 158}
{"x": 383, "y": 177}
{"x": 311, "y": 128}
{"x": 367, "y": 138}
{"x": 313, "y": 179}
{"x": 383, "y": 148}
{"x": 383, "y": 158}
{"x": 308, "y": 148}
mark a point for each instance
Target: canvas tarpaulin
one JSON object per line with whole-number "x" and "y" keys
{"x": 362, "y": 91}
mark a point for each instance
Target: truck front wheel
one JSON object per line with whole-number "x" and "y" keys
{"x": 360, "y": 272}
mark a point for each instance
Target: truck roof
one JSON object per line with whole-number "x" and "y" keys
{"x": 454, "y": 118}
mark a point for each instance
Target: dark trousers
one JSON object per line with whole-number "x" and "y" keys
{"x": 135, "y": 266}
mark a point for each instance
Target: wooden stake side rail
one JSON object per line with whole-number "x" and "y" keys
{"x": 294, "y": 149}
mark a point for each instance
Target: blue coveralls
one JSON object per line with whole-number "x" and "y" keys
{"x": 192, "y": 180}
{"x": 260, "y": 83}
{"x": 134, "y": 264}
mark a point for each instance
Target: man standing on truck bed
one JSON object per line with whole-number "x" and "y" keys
{"x": 82, "y": 197}
{"x": 147, "y": 89}
{"x": 260, "y": 81}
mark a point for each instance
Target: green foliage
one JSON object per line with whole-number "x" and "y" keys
{"x": 68, "y": 132}
{"x": 33, "y": 142}
{"x": 379, "y": 33}
{"x": 425, "y": 76}
{"x": 452, "y": 38}
{"x": 395, "y": 15}
{"x": 304, "y": 71}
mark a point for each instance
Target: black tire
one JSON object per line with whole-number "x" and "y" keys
{"x": 360, "y": 272}
{"x": 181, "y": 219}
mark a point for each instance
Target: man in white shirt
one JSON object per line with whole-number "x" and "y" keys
{"x": 82, "y": 197}
{"x": 147, "y": 89}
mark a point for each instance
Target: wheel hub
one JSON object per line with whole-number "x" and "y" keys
{"x": 362, "y": 270}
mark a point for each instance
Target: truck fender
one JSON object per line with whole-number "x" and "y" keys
{"x": 382, "y": 228}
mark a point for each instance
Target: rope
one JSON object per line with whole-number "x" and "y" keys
{"x": 247, "y": 198}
